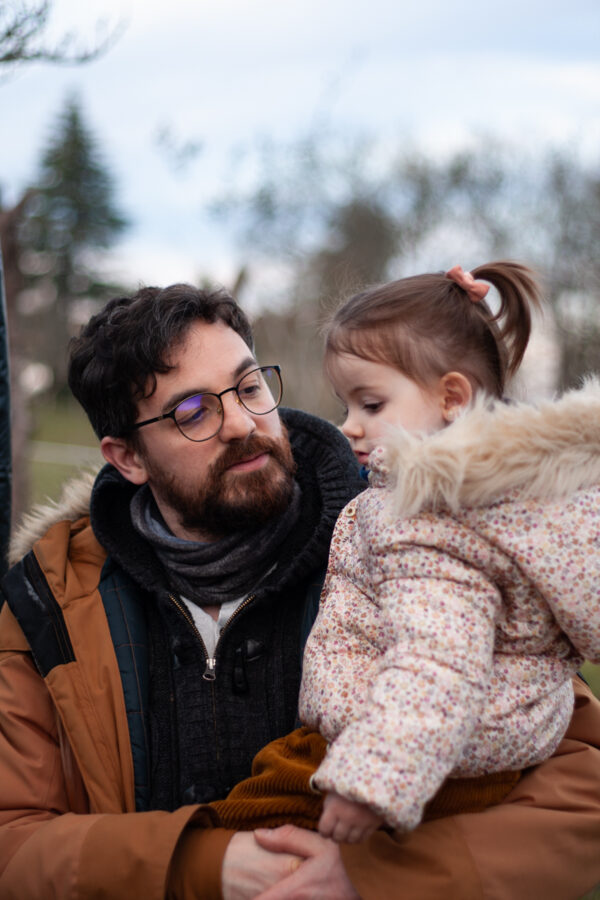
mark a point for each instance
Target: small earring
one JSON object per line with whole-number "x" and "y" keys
{"x": 451, "y": 414}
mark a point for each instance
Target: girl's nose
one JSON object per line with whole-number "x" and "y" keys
{"x": 351, "y": 427}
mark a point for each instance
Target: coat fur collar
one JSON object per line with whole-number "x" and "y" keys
{"x": 546, "y": 451}
{"x": 74, "y": 503}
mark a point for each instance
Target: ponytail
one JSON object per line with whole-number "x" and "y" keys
{"x": 519, "y": 294}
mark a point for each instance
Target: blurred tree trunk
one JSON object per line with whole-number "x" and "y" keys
{"x": 14, "y": 282}
{"x": 5, "y": 448}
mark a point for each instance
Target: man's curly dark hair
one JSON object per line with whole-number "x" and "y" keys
{"x": 115, "y": 359}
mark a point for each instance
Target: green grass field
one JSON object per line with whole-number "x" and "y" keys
{"x": 62, "y": 421}
{"x": 592, "y": 676}
{"x": 63, "y": 444}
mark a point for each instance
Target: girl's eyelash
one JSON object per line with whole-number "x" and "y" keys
{"x": 373, "y": 407}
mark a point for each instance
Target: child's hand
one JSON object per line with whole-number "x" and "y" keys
{"x": 346, "y": 820}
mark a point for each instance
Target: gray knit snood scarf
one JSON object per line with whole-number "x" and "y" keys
{"x": 209, "y": 574}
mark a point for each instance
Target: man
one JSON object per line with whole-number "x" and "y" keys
{"x": 149, "y": 649}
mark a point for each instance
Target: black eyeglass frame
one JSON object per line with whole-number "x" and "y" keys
{"x": 171, "y": 413}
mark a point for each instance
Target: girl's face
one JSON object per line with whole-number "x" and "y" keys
{"x": 376, "y": 396}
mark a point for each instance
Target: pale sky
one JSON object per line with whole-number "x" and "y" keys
{"x": 227, "y": 73}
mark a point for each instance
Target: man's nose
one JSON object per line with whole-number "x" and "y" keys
{"x": 238, "y": 423}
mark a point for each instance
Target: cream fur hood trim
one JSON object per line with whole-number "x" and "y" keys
{"x": 74, "y": 503}
{"x": 547, "y": 451}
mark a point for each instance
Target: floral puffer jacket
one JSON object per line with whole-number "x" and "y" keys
{"x": 463, "y": 592}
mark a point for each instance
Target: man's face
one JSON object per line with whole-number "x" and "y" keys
{"x": 238, "y": 479}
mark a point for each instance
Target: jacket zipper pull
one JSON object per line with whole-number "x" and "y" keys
{"x": 209, "y": 671}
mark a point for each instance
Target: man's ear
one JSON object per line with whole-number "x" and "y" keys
{"x": 120, "y": 453}
{"x": 456, "y": 395}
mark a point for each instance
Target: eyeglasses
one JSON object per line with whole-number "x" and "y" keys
{"x": 200, "y": 416}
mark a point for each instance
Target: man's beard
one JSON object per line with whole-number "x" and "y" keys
{"x": 228, "y": 502}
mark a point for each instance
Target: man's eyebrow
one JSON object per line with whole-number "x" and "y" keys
{"x": 247, "y": 363}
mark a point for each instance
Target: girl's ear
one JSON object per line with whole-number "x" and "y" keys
{"x": 123, "y": 457}
{"x": 456, "y": 395}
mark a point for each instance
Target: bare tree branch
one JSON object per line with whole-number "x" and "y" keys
{"x": 22, "y": 37}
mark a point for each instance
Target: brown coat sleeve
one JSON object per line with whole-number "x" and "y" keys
{"x": 47, "y": 837}
{"x": 543, "y": 841}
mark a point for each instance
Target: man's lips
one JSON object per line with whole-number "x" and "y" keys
{"x": 250, "y": 464}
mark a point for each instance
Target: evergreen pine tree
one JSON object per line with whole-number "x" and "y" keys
{"x": 70, "y": 219}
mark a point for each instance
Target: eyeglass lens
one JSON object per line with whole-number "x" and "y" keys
{"x": 200, "y": 416}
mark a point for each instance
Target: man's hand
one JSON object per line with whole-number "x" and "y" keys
{"x": 248, "y": 869}
{"x": 321, "y": 875}
{"x": 346, "y": 820}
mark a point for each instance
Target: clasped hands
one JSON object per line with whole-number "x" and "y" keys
{"x": 291, "y": 863}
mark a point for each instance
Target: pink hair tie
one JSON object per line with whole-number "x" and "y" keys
{"x": 476, "y": 290}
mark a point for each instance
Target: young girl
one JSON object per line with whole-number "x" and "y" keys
{"x": 463, "y": 585}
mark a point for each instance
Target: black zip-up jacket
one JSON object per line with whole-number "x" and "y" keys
{"x": 201, "y": 727}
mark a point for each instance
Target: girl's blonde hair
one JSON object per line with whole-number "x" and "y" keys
{"x": 426, "y": 326}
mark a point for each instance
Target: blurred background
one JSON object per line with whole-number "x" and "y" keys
{"x": 291, "y": 152}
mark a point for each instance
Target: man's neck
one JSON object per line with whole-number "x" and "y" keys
{"x": 175, "y": 526}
